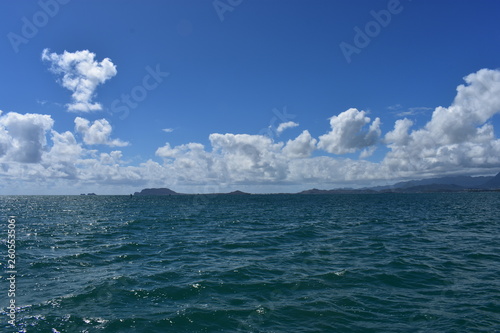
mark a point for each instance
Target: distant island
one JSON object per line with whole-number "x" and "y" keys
{"x": 431, "y": 185}
{"x": 157, "y": 191}
{"x": 167, "y": 191}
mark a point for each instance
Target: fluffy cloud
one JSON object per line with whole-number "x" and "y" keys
{"x": 300, "y": 147}
{"x": 62, "y": 158}
{"x": 5, "y": 140}
{"x": 474, "y": 104}
{"x": 188, "y": 163}
{"x": 23, "y": 137}
{"x": 250, "y": 157}
{"x": 349, "y": 134}
{"x": 34, "y": 156}
{"x": 98, "y": 133}
{"x": 399, "y": 136}
{"x": 113, "y": 158}
{"x": 457, "y": 137}
{"x": 81, "y": 74}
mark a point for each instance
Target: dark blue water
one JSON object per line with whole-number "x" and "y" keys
{"x": 260, "y": 263}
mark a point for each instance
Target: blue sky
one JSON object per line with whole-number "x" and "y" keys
{"x": 209, "y": 82}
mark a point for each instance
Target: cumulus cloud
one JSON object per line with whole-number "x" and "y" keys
{"x": 300, "y": 147}
{"x": 65, "y": 148}
{"x": 5, "y": 140}
{"x": 62, "y": 158}
{"x": 399, "y": 136}
{"x": 349, "y": 132}
{"x": 113, "y": 158}
{"x": 33, "y": 153}
{"x": 97, "y": 133}
{"x": 168, "y": 152}
{"x": 248, "y": 157}
{"x": 476, "y": 102}
{"x": 81, "y": 74}
{"x": 284, "y": 126}
{"x": 457, "y": 137}
{"x": 23, "y": 137}
{"x": 188, "y": 163}
{"x": 235, "y": 159}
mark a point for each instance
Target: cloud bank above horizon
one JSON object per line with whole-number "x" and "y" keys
{"x": 457, "y": 139}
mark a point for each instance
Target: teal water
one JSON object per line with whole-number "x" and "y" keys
{"x": 260, "y": 263}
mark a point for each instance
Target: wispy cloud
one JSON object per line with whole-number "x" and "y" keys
{"x": 168, "y": 130}
{"x": 284, "y": 126}
{"x": 400, "y": 111}
{"x": 81, "y": 74}
{"x": 394, "y": 107}
{"x": 414, "y": 111}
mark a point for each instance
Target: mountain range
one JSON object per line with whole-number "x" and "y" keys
{"x": 442, "y": 184}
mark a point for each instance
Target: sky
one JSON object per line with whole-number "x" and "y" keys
{"x": 264, "y": 96}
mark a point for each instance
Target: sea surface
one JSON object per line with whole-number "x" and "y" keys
{"x": 259, "y": 263}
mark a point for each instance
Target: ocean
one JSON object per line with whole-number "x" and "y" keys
{"x": 257, "y": 263}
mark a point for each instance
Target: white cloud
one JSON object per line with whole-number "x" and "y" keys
{"x": 249, "y": 158}
{"x": 300, "y": 147}
{"x": 5, "y": 141}
{"x": 188, "y": 163}
{"x": 64, "y": 148}
{"x": 167, "y": 151}
{"x": 397, "y": 109}
{"x": 394, "y": 107}
{"x": 284, "y": 126}
{"x": 399, "y": 136}
{"x": 98, "y": 133}
{"x": 457, "y": 137}
{"x": 23, "y": 137}
{"x": 113, "y": 158}
{"x": 63, "y": 156}
{"x": 349, "y": 134}
{"x": 444, "y": 145}
{"x": 414, "y": 111}
{"x": 81, "y": 74}
{"x": 367, "y": 152}
{"x": 473, "y": 105}
{"x": 168, "y": 130}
